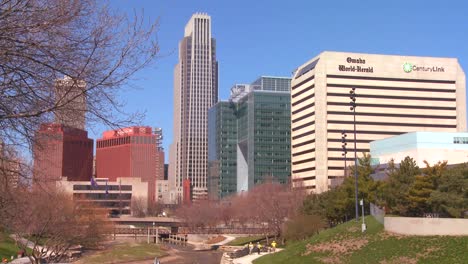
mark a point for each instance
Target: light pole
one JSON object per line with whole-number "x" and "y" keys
{"x": 353, "y": 108}
{"x": 345, "y": 151}
{"x": 363, "y": 227}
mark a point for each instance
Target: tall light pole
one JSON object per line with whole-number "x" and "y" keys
{"x": 353, "y": 108}
{"x": 345, "y": 151}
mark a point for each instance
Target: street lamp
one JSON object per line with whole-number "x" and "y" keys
{"x": 363, "y": 227}
{"x": 343, "y": 146}
{"x": 353, "y": 108}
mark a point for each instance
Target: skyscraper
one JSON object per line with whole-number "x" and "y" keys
{"x": 71, "y": 102}
{"x": 394, "y": 95}
{"x": 249, "y": 137}
{"x": 62, "y": 151}
{"x": 131, "y": 152}
{"x": 195, "y": 91}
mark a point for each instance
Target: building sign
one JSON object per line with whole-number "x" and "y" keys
{"x": 361, "y": 67}
{"x": 409, "y": 67}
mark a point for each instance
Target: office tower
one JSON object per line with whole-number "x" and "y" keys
{"x": 249, "y": 137}
{"x": 195, "y": 91}
{"x": 130, "y": 153}
{"x": 71, "y": 102}
{"x": 394, "y": 95}
{"x": 159, "y": 154}
{"x": 222, "y": 150}
{"x": 62, "y": 151}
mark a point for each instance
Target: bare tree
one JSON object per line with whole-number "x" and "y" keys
{"x": 50, "y": 223}
{"x": 42, "y": 41}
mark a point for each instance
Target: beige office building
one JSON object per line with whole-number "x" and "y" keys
{"x": 195, "y": 91}
{"x": 395, "y": 95}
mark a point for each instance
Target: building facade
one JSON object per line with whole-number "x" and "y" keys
{"x": 421, "y": 146}
{"x": 222, "y": 150}
{"x": 130, "y": 153}
{"x": 116, "y": 197}
{"x": 70, "y": 97}
{"x": 62, "y": 151}
{"x": 394, "y": 95}
{"x": 249, "y": 137}
{"x": 195, "y": 91}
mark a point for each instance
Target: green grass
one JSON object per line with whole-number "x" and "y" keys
{"x": 241, "y": 241}
{"x": 377, "y": 247}
{"x": 8, "y": 247}
{"x": 123, "y": 253}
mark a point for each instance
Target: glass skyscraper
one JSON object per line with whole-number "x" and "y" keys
{"x": 249, "y": 137}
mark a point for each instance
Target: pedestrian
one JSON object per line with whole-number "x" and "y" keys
{"x": 259, "y": 247}
{"x": 250, "y": 248}
{"x": 156, "y": 260}
{"x": 273, "y": 245}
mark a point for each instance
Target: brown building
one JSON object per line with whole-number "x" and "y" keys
{"x": 130, "y": 152}
{"x": 71, "y": 101}
{"x": 62, "y": 151}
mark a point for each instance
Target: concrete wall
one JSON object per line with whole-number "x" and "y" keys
{"x": 427, "y": 226}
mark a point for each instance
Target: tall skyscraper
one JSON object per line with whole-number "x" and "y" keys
{"x": 394, "y": 95}
{"x": 249, "y": 137}
{"x": 195, "y": 91}
{"x": 71, "y": 102}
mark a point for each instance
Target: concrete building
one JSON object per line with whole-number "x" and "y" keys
{"x": 162, "y": 192}
{"x": 249, "y": 137}
{"x": 195, "y": 91}
{"x": 395, "y": 95}
{"x": 421, "y": 146}
{"x": 130, "y": 153}
{"x": 114, "y": 196}
{"x": 62, "y": 151}
{"x": 71, "y": 101}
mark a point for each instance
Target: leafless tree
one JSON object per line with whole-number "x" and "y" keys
{"x": 42, "y": 41}
{"x": 97, "y": 48}
{"x": 50, "y": 223}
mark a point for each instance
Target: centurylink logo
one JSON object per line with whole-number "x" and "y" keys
{"x": 407, "y": 67}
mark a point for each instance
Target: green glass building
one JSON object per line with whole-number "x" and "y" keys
{"x": 249, "y": 137}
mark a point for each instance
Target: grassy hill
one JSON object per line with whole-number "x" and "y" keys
{"x": 346, "y": 244}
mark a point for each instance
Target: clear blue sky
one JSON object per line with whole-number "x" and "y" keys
{"x": 274, "y": 37}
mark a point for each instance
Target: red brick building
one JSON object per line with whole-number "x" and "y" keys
{"x": 130, "y": 152}
{"x": 62, "y": 151}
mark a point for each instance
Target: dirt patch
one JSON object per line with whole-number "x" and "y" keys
{"x": 336, "y": 247}
{"x": 214, "y": 240}
{"x": 353, "y": 229}
{"x": 386, "y": 235}
{"x": 399, "y": 260}
{"x": 330, "y": 260}
{"x": 427, "y": 252}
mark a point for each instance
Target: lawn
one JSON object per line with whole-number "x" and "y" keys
{"x": 8, "y": 247}
{"x": 346, "y": 244}
{"x": 241, "y": 241}
{"x": 123, "y": 253}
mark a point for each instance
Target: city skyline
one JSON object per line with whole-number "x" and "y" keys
{"x": 252, "y": 45}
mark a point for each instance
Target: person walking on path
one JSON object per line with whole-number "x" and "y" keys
{"x": 273, "y": 245}
{"x": 259, "y": 247}
{"x": 250, "y": 248}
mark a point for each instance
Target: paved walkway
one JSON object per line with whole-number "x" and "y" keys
{"x": 249, "y": 258}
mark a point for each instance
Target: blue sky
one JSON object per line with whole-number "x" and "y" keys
{"x": 274, "y": 37}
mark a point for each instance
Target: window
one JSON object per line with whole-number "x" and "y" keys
{"x": 460, "y": 140}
